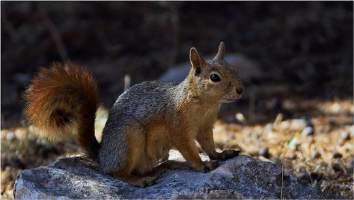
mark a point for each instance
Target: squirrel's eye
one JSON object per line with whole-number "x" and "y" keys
{"x": 215, "y": 77}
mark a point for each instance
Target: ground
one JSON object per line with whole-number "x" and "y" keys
{"x": 299, "y": 112}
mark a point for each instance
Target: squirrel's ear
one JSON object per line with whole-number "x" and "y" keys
{"x": 219, "y": 57}
{"x": 195, "y": 59}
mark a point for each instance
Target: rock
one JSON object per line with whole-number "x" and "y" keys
{"x": 294, "y": 124}
{"x": 308, "y": 131}
{"x": 278, "y": 119}
{"x": 264, "y": 152}
{"x": 337, "y": 155}
{"x": 10, "y": 136}
{"x": 240, "y": 117}
{"x": 293, "y": 144}
{"x": 22, "y": 78}
{"x": 291, "y": 155}
{"x": 268, "y": 129}
{"x": 315, "y": 154}
{"x": 337, "y": 167}
{"x": 248, "y": 69}
{"x": 242, "y": 177}
{"x": 344, "y": 136}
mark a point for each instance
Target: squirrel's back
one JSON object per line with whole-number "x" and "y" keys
{"x": 145, "y": 100}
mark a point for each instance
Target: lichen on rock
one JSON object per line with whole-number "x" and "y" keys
{"x": 242, "y": 177}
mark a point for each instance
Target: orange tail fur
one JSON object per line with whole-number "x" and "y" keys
{"x": 63, "y": 100}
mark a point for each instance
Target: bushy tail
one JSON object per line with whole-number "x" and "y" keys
{"x": 62, "y": 101}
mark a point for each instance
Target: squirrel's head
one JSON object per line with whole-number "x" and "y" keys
{"x": 214, "y": 79}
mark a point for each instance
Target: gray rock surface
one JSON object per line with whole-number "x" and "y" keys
{"x": 242, "y": 177}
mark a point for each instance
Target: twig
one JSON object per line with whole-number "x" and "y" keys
{"x": 55, "y": 36}
{"x": 252, "y": 103}
{"x": 127, "y": 81}
{"x": 282, "y": 181}
{"x": 10, "y": 30}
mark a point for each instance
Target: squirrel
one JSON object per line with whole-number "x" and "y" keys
{"x": 145, "y": 122}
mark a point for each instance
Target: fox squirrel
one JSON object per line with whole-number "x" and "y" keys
{"x": 145, "y": 122}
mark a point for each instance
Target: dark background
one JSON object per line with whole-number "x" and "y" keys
{"x": 306, "y": 47}
{"x": 303, "y": 53}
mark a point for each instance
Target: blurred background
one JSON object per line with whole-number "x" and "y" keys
{"x": 295, "y": 58}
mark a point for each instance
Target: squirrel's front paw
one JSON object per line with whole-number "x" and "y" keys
{"x": 205, "y": 166}
{"x": 229, "y": 153}
{"x": 210, "y": 165}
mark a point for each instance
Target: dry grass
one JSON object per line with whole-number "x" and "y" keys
{"x": 323, "y": 158}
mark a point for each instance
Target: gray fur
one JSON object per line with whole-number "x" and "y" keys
{"x": 135, "y": 107}
{"x": 148, "y": 101}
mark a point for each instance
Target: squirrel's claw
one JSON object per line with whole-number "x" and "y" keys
{"x": 210, "y": 165}
{"x": 229, "y": 153}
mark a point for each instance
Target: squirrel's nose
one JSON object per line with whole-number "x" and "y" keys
{"x": 239, "y": 90}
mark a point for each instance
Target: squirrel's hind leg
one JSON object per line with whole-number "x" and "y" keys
{"x": 136, "y": 154}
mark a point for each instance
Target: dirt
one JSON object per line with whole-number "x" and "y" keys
{"x": 299, "y": 113}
